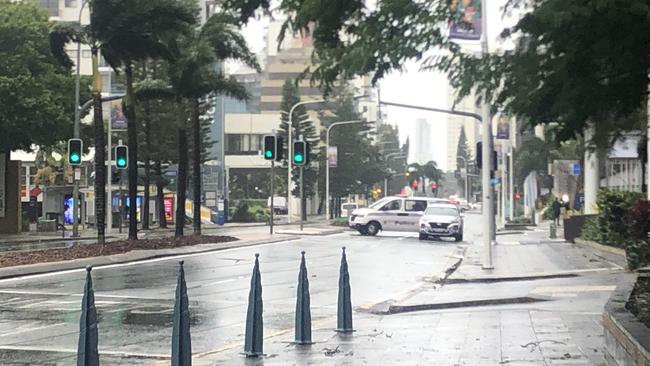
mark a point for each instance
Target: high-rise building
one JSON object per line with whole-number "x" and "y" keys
{"x": 421, "y": 146}
{"x": 455, "y": 123}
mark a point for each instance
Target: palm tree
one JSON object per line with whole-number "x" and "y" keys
{"x": 123, "y": 31}
{"x": 194, "y": 76}
{"x": 61, "y": 34}
{"x": 130, "y": 31}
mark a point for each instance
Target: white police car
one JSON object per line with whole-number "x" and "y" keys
{"x": 390, "y": 214}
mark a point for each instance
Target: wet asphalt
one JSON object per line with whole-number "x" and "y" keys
{"x": 39, "y": 314}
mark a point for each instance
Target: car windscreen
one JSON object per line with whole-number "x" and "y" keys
{"x": 377, "y": 205}
{"x": 441, "y": 211}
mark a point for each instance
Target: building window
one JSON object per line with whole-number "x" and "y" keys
{"x": 239, "y": 144}
{"x": 52, "y": 7}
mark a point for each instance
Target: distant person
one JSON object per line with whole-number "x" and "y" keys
{"x": 556, "y": 207}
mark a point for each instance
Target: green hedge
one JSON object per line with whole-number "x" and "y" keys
{"x": 339, "y": 221}
{"x": 250, "y": 210}
{"x": 623, "y": 221}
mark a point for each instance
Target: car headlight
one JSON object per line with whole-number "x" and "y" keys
{"x": 455, "y": 222}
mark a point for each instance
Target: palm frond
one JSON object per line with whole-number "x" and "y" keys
{"x": 63, "y": 33}
{"x": 149, "y": 89}
{"x": 222, "y": 33}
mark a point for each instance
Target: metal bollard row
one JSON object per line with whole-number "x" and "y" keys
{"x": 88, "y": 355}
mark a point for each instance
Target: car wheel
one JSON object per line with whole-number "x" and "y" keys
{"x": 458, "y": 237}
{"x": 362, "y": 231}
{"x": 373, "y": 228}
{"x": 424, "y": 236}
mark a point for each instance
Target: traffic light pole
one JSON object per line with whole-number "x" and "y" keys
{"x": 109, "y": 181}
{"x": 272, "y": 193}
{"x": 301, "y": 198}
{"x": 290, "y": 152}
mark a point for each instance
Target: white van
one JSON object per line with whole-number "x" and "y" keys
{"x": 348, "y": 207}
{"x": 390, "y": 214}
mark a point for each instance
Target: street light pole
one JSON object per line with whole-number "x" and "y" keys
{"x": 289, "y": 147}
{"x": 488, "y": 197}
{"x": 77, "y": 117}
{"x": 327, "y": 163}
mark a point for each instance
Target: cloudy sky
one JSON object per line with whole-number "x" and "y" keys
{"x": 413, "y": 86}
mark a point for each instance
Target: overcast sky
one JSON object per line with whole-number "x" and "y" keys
{"x": 413, "y": 86}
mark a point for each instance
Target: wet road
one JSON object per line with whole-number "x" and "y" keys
{"x": 39, "y": 315}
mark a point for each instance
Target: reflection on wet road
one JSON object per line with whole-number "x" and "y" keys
{"x": 39, "y": 315}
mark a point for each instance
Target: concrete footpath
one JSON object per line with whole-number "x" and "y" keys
{"x": 540, "y": 305}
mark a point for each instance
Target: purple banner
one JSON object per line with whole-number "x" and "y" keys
{"x": 469, "y": 27}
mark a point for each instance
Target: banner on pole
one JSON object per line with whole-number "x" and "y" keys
{"x": 503, "y": 127}
{"x": 118, "y": 119}
{"x": 469, "y": 26}
{"x": 332, "y": 156}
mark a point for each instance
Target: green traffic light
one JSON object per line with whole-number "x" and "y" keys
{"x": 268, "y": 154}
{"x": 298, "y": 158}
{"x": 121, "y": 162}
{"x": 75, "y": 158}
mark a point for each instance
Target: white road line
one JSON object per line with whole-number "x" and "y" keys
{"x": 24, "y": 330}
{"x": 145, "y": 261}
{"x": 70, "y": 350}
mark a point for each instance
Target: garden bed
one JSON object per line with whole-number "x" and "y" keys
{"x": 117, "y": 247}
{"x": 639, "y": 303}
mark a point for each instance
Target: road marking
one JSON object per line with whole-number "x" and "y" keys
{"x": 572, "y": 289}
{"x": 23, "y": 330}
{"x": 144, "y": 261}
{"x": 70, "y": 350}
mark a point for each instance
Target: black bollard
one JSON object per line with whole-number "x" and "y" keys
{"x": 181, "y": 340}
{"x": 87, "y": 354}
{"x": 303, "y": 312}
{"x": 344, "y": 313}
{"x": 253, "y": 344}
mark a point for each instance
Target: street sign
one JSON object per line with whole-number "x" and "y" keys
{"x": 575, "y": 169}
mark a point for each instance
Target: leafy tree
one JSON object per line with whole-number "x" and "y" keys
{"x": 301, "y": 126}
{"x": 143, "y": 31}
{"x": 464, "y": 157}
{"x": 359, "y": 163}
{"x": 194, "y": 78}
{"x": 581, "y": 63}
{"x": 36, "y": 89}
{"x": 394, "y": 155}
{"x": 532, "y": 155}
{"x": 158, "y": 118}
{"x": 140, "y": 33}
{"x": 429, "y": 170}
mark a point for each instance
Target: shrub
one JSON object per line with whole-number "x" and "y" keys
{"x": 339, "y": 221}
{"x": 637, "y": 248}
{"x": 250, "y": 211}
{"x": 640, "y": 220}
{"x": 590, "y": 230}
{"x": 520, "y": 220}
{"x": 613, "y": 218}
{"x": 242, "y": 214}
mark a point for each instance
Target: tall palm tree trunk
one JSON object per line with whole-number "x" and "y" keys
{"x": 160, "y": 196}
{"x": 133, "y": 153}
{"x": 181, "y": 184}
{"x": 147, "y": 168}
{"x": 100, "y": 155}
{"x": 196, "y": 168}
